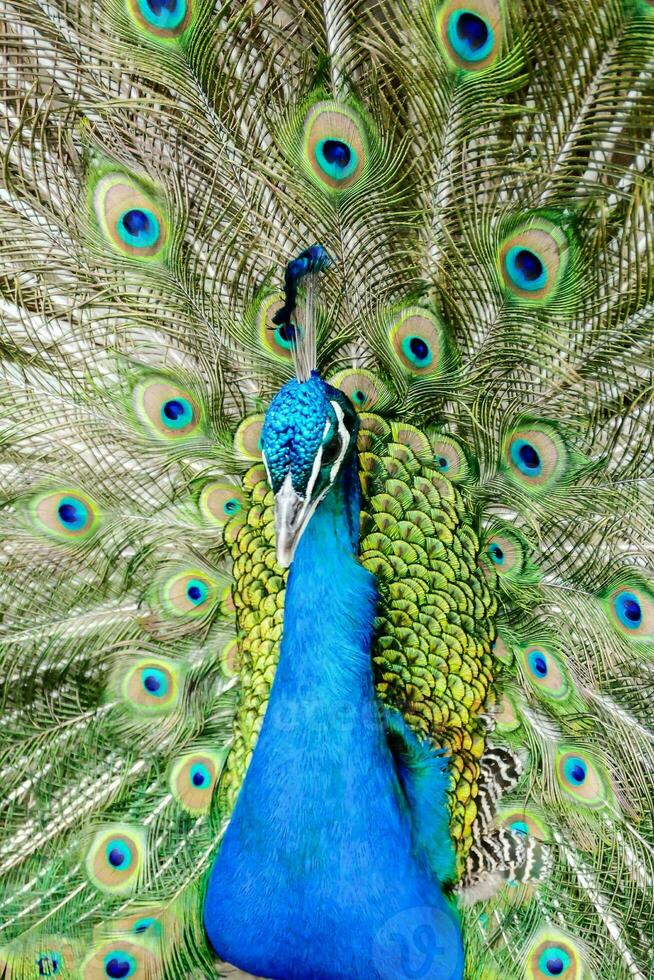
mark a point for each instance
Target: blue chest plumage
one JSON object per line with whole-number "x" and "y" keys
{"x": 318, "y": 875}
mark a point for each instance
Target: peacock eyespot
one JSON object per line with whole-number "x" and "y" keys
{"x": 335, "y": 146}
{"x": 526, "y": 458}
{"x": 162, "y": 19}
{"x": 189, "y": 593}
{"x": 534, "y": 260}
{"x": 148, "y": 924}
{"x": 66, "y": 516}
{"x": 118, "y": 854}
{"x": 197, "y": 592}
{"x": 286, "y": 335}
{"x": 275, "y": 339}
{"x": 49, "y": 964}
{"x": 631, "y": 609}
{"x": 522, "y": 821}
{"x": 553, "y": 954}
{"x": 628, "y": 610}
{"x": 536, "y": 456}
{"x": 169, "y": 412}
{"x": 114, "y": 859}
{"x": 417, "y": 351}
{"x": 138, "y": 227}
{"x": 471, "y": 33}
{"x": 525, "y": 269}
{"x": 193, "y": 779}
{"x": 200, "y": 776}
{"x": 547, "y": 673}
{"x": 221, "y": 502}
{"x": 151, "y": 685}
{"x": 129, "y": 218}
{"x": 416, "y": 340}
{"x": 581, "y": 777}
{"x": 364, "y": 389}
{"x": 121, "y": 960}
{"x": 520, "y": 827}
{"x": 554, "y": 962}
{"x": 449, "y": 457}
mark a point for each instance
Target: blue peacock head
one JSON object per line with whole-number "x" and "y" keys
{"x": 309, "y": 434}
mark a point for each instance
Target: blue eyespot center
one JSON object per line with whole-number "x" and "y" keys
{"x": 555, "y": 966}
{"x": 529, "y": 456}
{"x": 200, "y": 776}
{"x": 540, "y": 665}
{"x": 136, "y": 222}
{"x": 529, "y": 265}
{"x": 496, "y": 554}
{"x": 554, "y": 961}
{"x": 526, "y": 458}
{"x": 628, "y": 610}
{"x": 359, "y": 396}
{"x": 470, "y": 35}
{"x": 158, "y": 6}
{"x": 336, "y": 158}
{"x": 138, "y": 228}
{"x": 196, "y": 591}
{"x": 472, "y": 29}
{"x": 72, "y": 513}
{"x": 166, "y": 14}
{"x": 443, "y": 463}
{"x": 154, "y": 681}
{"x": 173, "y": 409}
{"x": 337, "y": 152}
{"x": 116, "y": 857}
{"x": 525, "y": 269}
{"x": 49, "y": 964}
{"x": 176, "y": 413}
{"x": 232, "y": 506}
{"x": 520, "y": 827}
{"x": 149, "y": 925}
{"x": 119, "y": 965}
{"x": 286, "y": 335}
{"x": 576, "y": 770}
{"x": 417, "y": 351}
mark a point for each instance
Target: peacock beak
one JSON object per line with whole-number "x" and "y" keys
{"x": 292, "y": 512}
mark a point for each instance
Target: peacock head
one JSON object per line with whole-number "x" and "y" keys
{"x": 308, "y": 436}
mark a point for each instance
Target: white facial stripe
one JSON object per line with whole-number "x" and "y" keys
{"x": 315, "y": 470}
{"x": 265, "y": 463}
{"x": 345, "y": 440}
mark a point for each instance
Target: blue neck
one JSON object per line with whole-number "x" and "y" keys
{"x": 329, "y": 609}
{"x": 317, "y": 875}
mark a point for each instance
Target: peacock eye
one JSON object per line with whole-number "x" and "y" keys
{"x": 163, "y": 19}
{"x": 332, "y": 449}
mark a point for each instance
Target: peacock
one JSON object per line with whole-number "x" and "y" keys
{"x": 327, "y": 489}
